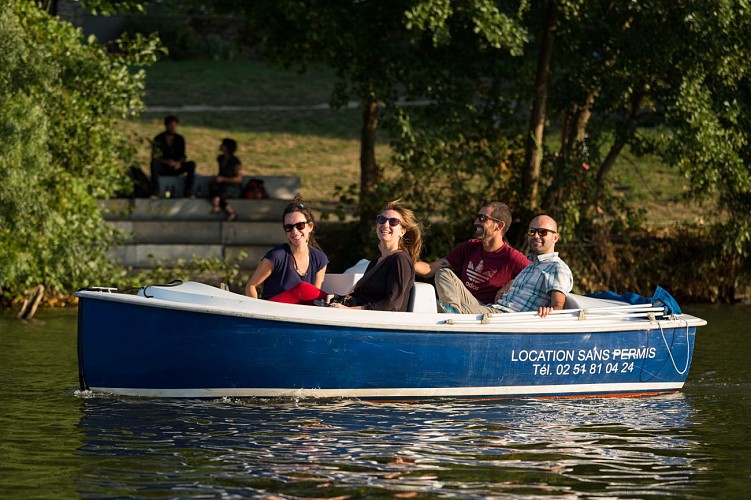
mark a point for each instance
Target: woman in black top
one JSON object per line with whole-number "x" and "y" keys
{"x": 227, "y": 184}
{"x": 388, "y": 280}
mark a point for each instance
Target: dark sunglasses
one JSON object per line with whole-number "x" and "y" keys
{"x": 299, "y": 226}
{"x": 483, "y": 218}
{"x": 542, "y": 232}
{"x": 393, "y": 221}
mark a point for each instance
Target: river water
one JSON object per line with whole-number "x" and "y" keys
{"x": 55, "y": 443}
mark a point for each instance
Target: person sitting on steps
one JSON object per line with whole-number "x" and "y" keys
{"x": 228, "y": 182}
{"x": 168, "y": 157}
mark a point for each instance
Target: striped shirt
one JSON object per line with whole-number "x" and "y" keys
{"x": 532, "y": 287}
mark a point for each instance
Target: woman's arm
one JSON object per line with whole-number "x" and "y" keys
{"x": 238, "y": 178}
{"x": 320, "y": 275}
{"x": 261, "y": 274}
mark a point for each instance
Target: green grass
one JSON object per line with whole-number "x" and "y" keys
{"x": 658, "y": 189}
{"x": 240, "y": 83}
{"x": 322, "y": 145}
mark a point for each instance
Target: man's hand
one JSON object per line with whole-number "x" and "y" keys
{"x": 557, "y": 301}
{"x": 503, "y": 290}
{"x": 544, "y": 311}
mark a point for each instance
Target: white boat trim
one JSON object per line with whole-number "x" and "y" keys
{"x": 200, "y": 298}
{"x": 568, "y": 390}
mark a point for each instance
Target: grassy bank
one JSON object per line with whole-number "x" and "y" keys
{"x": 322, "y": 145}
{"x": 307, "y": 138}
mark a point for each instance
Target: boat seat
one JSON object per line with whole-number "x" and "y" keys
{"x": 574, "y": 301}
{"x": 421, "y": 297}
{"x": 340, "y": 284}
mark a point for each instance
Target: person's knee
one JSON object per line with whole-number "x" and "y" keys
{"x": 445, "y": 280}
{"x": 445, "y": 276}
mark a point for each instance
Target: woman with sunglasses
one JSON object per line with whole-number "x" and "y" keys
{"x": 388, "y": 280}
{"x": 292, "y": 272}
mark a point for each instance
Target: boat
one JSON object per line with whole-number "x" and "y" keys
{"x": 193, "y": 340}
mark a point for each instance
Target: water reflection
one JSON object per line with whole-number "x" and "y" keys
{"x": 606, "y": 446}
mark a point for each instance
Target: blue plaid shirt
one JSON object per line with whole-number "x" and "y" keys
{"x": 531, "y": 288}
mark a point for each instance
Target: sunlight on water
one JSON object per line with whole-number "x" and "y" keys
{"x": 624, "y": 446}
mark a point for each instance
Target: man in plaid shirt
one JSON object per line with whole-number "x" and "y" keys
{"x": 543, "y": 284}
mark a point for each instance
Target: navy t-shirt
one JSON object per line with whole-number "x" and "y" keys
{"x": 285, "y": 276}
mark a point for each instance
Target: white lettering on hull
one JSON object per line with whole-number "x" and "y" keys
{"x": 581, "y": 362}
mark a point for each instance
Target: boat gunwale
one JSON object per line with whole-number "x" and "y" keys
{"x": 414, "y": 321}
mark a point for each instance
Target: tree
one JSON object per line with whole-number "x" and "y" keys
{"x": 362, "y": 41}
{"x": 611, "y": 71}
{"x": 60, "y": 98}
{"x": 372, "y": 48}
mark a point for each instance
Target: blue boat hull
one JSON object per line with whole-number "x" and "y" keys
{"x": 132, "y": 349}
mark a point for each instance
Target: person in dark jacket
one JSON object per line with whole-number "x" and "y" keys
{"x": 388, "y": 280}
{"x": 168, "y": 157}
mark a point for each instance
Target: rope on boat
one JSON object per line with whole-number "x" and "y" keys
{"x": 601, "y": 313}
{"x": 112, "y": 289}
{"x": 108, "y": 289}
{"x": 171, "y": 283}
{"x": 670, "y": 353}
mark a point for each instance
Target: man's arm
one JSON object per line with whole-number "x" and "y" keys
{"x": 504, "y": 289}
{"x": 428, "y": 270}
{"x": 158, "y": 153}
{"x": 557, "y": 301}
{"x": 179, "y": 148}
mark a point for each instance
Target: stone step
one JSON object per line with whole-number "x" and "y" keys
{"x": 281, "y": 187}
{"x": 201, "y": 232}
{"x": 166, "y": 231}
{"x": 190, "y": 209}
{"x": 148, "y": 255}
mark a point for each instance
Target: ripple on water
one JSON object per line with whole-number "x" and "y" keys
{"x": 301, "y": 448}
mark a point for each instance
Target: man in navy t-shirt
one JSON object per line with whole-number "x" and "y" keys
{"x": 474, "y": 273}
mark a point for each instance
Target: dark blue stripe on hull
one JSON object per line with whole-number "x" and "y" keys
{"x": 131, "y": 346}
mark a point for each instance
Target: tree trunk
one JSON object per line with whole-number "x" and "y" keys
{"x": 573, "y": 135}
{"x": 536, "y": 132}
{"x": 370, "y": 173}
{"x": 585, "y": 113}
{"x": 621, "y": 139}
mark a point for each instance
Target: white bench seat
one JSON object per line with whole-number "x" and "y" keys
{"x": 421, "y": 299}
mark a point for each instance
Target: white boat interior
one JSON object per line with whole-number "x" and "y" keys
{"x": 580, "y": 313}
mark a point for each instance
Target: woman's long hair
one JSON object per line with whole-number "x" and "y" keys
{"x": 298, "y": 205}
{"x": 411, "y": 242}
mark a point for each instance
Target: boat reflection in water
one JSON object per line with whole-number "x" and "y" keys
{"x": 598, "y": 446}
